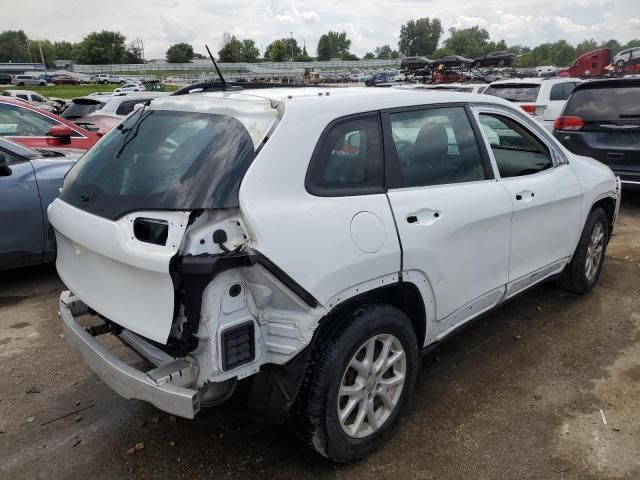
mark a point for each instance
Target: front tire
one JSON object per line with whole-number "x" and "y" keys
{"x": 620, "y": 63}
{"x": 358, "y": 380}
{"x": 582, "y": 273}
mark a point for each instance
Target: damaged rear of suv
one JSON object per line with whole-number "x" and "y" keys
{"x": 310, "y": 244}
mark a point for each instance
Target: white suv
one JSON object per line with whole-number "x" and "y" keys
{"x": 311, "y": 243}
{"x": 542, "y": 98}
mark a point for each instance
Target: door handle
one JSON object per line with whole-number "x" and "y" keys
{"x": 412, "y": 219}
{"x": 525, "y": 195}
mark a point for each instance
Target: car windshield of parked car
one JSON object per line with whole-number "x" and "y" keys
{"x": 21, "y": 122}
{"x": 521, "y": 92}
{"x": 605, "y": 104}
{"x": 165, "y": 160}
{"x": 80, "y": 108}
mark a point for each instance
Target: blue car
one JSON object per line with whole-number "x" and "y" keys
{"x": 29, "y": 181}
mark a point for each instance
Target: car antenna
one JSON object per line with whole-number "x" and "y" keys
{"x": 225, "y": 85}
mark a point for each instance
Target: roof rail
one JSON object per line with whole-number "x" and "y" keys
{"x": 219, "y": 86}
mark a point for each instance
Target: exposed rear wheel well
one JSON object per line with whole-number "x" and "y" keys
{"x": 404, "y": 296}
{"x": 608, "y": 204}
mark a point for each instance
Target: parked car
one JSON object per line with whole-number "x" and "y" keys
{"x": 546, "y": 71}
{"x": 51, "y": 104}
{"x": 626, "y": 57}
{"x": 80, "y": 107}
{"x": 116, "y": 108}
{"x": 378, "y": 78}
{"x": 601, "y": 120}
{"x": 23, "y": 80}
{"x": 29, "y": 181}
{"x": 106, "y": 78}
{"x": 175, "y": 240}
{"x": 542, "y": 98}
{"x": 37, "y": 128}
{"x": 130, "y": 87}
{"x": 453, "y": 61}
{"x": 494, "y": 59}
{"x": 64, "y": 80}
{"x": 5, "y": 79}
{"x": 416, "y": 63}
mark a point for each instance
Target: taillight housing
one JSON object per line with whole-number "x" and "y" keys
{"x": 568, "y": 123}
{"x": 529, "y": 108}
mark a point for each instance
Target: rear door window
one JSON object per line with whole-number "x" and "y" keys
{"x": 348, "y": 159}
{"x": 20, "y": 122}
{"x": 614, "y": 104}
{"x": 434, "y": 146}
{"x": 520, "y": 92}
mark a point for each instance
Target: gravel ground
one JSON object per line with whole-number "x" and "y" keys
{"x": 546, "y": 387}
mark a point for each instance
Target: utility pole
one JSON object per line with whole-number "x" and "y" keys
{"x": 291, "y": 46}
{"x": 42, "y": 57}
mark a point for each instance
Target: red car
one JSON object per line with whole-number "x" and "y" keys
{"x": 35, "y": 128}
{"x": 65, "y": 80}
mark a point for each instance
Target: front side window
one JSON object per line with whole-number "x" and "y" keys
{"x": 435, "y": 146}
{"x": 20, "y": 122}
{"x": 517, "y": 151}
{"x": 164, "y": 160}
{"x": 348, "y": 159}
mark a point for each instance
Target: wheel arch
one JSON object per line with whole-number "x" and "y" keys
{"x": 608, "y": 204}
{"x": 405, "y": 296}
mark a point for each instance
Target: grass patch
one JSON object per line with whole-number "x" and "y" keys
{"x": 71, "y": 91}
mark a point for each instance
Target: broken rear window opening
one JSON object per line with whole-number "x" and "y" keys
{"x": 162, "y": 160}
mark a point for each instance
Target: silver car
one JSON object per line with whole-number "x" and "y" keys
{"x": 22, "y": 80}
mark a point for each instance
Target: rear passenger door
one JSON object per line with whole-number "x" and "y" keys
{"x": 543, "y": 190}
{"x": 453, "y": 218}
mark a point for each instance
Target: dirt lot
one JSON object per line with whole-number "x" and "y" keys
{"x": 523, "y": 393}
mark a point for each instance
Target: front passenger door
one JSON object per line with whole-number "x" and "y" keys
{"x": 544, "y": 192}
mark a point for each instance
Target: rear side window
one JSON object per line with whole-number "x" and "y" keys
{"x": 520, "y": 92}
{"x": 435, "y": 146}
{"x": 80, "y": 108}
{"x": 516, "y": 150}
{"x": 348, "y": 159}
{"x": 561, "y": 91}
{"x": 20, "y": 122}
{"x": 610, "y": 104}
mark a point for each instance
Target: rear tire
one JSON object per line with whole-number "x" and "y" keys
{"x": 620, "y": 63}
{"x": 582, "y": 273}
{"x": 358, "y": 380}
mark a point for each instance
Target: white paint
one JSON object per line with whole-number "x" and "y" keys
{"x": 368, "y": 232}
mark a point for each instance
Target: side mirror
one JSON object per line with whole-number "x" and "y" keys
{"x": 5, "y": 171}
{"x": 62, "y": 132}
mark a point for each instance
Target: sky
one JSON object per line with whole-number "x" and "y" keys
{"x": 368, "y": 23}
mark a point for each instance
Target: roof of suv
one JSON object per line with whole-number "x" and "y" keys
{"x": 610, "y": 82}
{"x": 538, "y": 80}
{"x": 342, "y": 101}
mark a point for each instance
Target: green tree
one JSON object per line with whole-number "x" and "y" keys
{"x": 468, "y": 42}
{"x": 48, "y": 52}
{"x": 133, "y": 54}
{"x": 250, "y": 52}
{"x": 383, "y": 52}
{"x": 64, "y": 50}
{"x": 180, "y": 53}
{"x": 333, "y": 45}
{"x": 99, "y": 48}
{"x": 369, "y": 56}
{"x": 231, "y": 52}
{"x": 282, "y": 50}
{"x": 420, "y": 37}
{"x": 350, "y": 57}
{"x": 585, "y": 46}
{"x": 14, "y": 46}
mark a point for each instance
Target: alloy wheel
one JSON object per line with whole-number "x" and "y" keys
{"x": 371, "y": 386}
{"x": 594, "y": 251}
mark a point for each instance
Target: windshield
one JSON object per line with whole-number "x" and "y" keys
{"x": 605, "y": 104}
{"x": 520, "y": 92}
{"x": 82, "y": 108}
{"x": 162, "y": 160}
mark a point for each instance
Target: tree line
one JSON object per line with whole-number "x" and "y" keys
{"x": 421, "y": 37}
